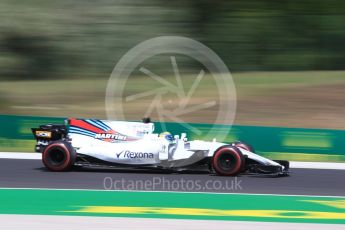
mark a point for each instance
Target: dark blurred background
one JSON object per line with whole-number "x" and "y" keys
{"x": 56, "y": 40}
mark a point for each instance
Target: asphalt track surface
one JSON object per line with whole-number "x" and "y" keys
{"x": 18, "y": 173}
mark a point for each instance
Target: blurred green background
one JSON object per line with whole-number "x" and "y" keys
{"x": 295, "y": 144}
{"x": 286, "y": 56}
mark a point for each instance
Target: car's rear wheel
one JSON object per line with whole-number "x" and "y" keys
{"x": 58, "y": 156}
{"x": 228, "y": 161}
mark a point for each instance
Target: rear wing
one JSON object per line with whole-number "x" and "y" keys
{"x": 47, "y": 133}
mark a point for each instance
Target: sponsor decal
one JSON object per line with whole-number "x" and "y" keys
{"x": 45, "y": 134}
{"x": 110, "y": 136}
{"x": 134, "y": 155}
{"x": 119, "y": 154}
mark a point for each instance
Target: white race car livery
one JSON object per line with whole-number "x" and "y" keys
{"x": 91, "y": 142}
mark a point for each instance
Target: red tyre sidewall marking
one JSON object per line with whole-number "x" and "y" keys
{"x": 67, "y": 153}
{"x": 243, "y": 146}
{"x": 216, "y": 156}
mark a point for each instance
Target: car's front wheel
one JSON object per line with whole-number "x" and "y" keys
{"x": 58, "y": 156}
{"x": 228, "y": 161}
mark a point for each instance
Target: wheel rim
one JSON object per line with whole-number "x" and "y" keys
{"x": 227, "y": 162}
{"x": 56, "y": 156}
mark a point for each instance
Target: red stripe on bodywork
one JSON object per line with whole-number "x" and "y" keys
{"x": 84, "y": 125}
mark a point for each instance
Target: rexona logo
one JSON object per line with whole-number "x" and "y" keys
{"x": 132, "y": 155}
{"x": 110, "y": 136}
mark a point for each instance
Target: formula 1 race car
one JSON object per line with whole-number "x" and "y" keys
{"x": 119, "y": 144}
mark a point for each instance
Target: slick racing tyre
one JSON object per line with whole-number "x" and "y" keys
{"x": 243, "y": 145}
{"x": 228, "y": 161}
{"x": 58, "y": 156}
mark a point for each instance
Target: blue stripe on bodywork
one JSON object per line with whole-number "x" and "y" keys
{"x": 94, "y": 123}
{"x": 73, "y": 129}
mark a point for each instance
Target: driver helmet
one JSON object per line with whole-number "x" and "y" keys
{"x": 167, "y": 136}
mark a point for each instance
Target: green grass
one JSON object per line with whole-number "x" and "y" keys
{"x": 263, "y": 98}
